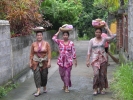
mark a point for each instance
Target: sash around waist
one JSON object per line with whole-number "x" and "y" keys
{"x": 36, "y": 58}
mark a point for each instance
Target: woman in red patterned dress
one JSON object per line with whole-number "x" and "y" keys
{"x": 65, "y": 60}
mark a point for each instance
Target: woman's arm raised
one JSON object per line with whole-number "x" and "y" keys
{"x": 110, "y": 33}
{"x": 54, "y": 38}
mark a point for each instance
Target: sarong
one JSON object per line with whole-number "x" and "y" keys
{"x": 100, "y": 76}
{"x": 40, "y": 77}
{"x": 65, "y": 74}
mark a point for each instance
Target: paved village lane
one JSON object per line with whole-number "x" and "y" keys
{"x": 81, "y": 76}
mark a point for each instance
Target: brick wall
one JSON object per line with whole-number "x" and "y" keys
{"x": 125, "y": 33}
{"x": 127, "y": 48}
{"x": 119, "y": 32}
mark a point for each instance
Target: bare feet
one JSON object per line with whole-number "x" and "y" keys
{"x": 63, "y": 88}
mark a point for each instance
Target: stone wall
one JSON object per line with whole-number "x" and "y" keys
{"x": 14, "y": 52}
{"x": 130, "y": 30}
{"x": 20, "y": 50}
{"x": 5, "y": 52}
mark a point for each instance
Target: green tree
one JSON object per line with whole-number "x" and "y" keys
{"x": 61, "y": 12}
{"x": 111, "y": 6}
{"x": 88, "y": 14}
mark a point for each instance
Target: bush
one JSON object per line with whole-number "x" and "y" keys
{"x": 112, "y": 48}
{"x": 3, "y": 7}
{"x": 85, "y": 37}
{"x": 5, "y": 89}
{"x": 122, "y": 84}
{"x": 54, "y": 54}
{"x": 23, "y": 15}
{"x": 3, "y": 92}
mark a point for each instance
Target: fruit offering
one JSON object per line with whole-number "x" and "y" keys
{"x": 66, "y": 27}
{"x": 98, "y": 23}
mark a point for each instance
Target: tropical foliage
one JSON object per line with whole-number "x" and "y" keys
{"x": 3, "y": 7}
{"x": 60, "y": 12}
{"x": 22, "y": 15}
{"x": 112, "y": 48}
{"x": 122, "y": 85}
{"x": 88, "y": 14}
{"x": 110, "y": 5}
{"x": 7, "y": 88}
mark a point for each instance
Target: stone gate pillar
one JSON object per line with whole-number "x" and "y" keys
{"x": 5, "y": 52}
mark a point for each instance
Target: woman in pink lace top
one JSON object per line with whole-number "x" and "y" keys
{"x": 65, "y": 59}
{"x": 98, "y": 60}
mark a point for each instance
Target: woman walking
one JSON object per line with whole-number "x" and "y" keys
{"x": 40, "y": 61}
{"x": 96, "y": 52}
{"x": 65, "y": 59}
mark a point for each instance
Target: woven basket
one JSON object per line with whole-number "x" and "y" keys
{"x": 65, "y": 29}
{"x": 38, "y": 29}
{"x": 99, "y": 26}
{"x": 98, "y": 23}
{"x": 98, "y": 19}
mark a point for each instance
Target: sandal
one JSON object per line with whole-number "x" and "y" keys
{"x": 98, "y": 92}
{"x": 95, "y": 93}
{"x": 44, "y": 91}
{"x": 36, "y": 94}
{"x": 102, "y": 92}
{"x": 67, "y": 91}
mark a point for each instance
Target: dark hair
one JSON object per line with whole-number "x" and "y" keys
{"x": 98, "y": 29}
{"x": 66, "y": 32}
{"x": 39, "y": 32}
{"x": 104, "y": 31}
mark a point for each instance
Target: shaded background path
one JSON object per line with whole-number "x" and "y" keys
{"x": 82, "y": 79}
